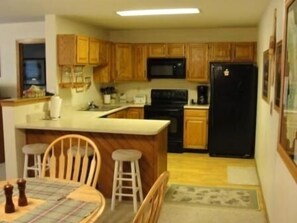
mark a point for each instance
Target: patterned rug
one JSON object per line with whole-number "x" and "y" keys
{"x": 213, "y": 196}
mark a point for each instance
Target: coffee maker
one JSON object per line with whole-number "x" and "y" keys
{"x": 202, "y": 94}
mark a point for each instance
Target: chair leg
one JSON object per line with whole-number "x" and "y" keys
{"x": 139, "y": 181}
{"x": 114, "y": 187}
{"x": 35, "y": 166}
{"x": 39, "y": 165}
{"x": 120, "y": 176}
{"x": 25, "y": 174}
{"x": 134, "y": 188}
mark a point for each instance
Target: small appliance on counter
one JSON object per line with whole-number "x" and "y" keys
{"x": 202, "y": 94}
{"x": 55, "y": 107}
{"x": 140, "y": 99}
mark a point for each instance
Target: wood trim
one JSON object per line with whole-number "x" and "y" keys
{"x": 23, "y": 101}
{"x": 288, "y": 162}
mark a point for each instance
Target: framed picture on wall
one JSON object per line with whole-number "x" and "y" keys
{"x": 277, "y": 84}
{"x": 266, "y": 76}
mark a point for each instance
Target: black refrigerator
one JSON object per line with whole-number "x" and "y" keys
{"x": 232, "y": 111}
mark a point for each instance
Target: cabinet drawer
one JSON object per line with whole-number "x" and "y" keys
{"x": 195, "y": 113}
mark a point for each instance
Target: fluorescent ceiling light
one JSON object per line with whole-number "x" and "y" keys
{"x": 159, "y": 12}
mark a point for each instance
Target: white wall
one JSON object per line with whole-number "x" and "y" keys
{"x": 279, "y": 188}
{"x": 10, "y": 33}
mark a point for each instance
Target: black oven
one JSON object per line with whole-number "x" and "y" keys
{"x": 168, "y": 105}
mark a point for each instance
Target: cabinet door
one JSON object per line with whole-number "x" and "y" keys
{"x": 140, "y": 57}
{"x": 176, "y": 50}
{"x": 103, "y": 73}
{"x": 82, "y": 54}
{"x": 123, "y": 62}
{"x": 94, "y": 51}
{"x": 197, "y": 62}
{"x": 220, "y": 52}
{"x": 243, "y": 52}
{"x": 195, "y": 129}
{"x": 135, "y": 113}
{"x": 157, "y": 50}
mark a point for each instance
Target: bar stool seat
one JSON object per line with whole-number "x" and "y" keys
{"x": 133, "y": 176}
{"x": 36, "y": 150}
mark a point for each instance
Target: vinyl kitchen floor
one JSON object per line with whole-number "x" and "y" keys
{"x": 203, "y": 170}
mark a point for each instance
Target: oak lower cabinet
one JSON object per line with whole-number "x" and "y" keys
{"x": 135, "y": 113}
{"x": 119, "y": 114}
{"x": 195, "y": 128}
{"x": 197, "y": 62}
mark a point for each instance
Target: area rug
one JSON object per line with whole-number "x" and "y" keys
{"x": 242, "y": 175}
{"x": 213, "y": 196}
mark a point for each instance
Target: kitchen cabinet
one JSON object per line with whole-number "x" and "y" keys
{"x": 166, "y": 50}
{"x": 233, "y": 51}
{"x": 135, "y": 113}
{"x": 139, "y": 62}
{"x": 118, "y": 114}
{"x": 195, "y": 128}
{"x": 103, "y": 74}
{"x": 123, "y": 57}
{"x": 73, "y": 50}
{"x": 94, "y": 47}
{"x": 197, "y": 62}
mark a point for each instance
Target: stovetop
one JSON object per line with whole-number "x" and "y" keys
{"x": 172, "y": 97}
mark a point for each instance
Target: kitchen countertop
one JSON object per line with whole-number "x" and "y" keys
{"x": 196, "y": 106}
{"x": 94, "y": 121}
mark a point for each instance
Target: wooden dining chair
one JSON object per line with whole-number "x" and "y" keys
{"x": 73, "y": 157}
{"x": 150, "y": 208}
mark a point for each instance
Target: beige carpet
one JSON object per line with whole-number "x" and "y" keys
{"x": 179, "y": 213}
{"x": 242, "y": 175}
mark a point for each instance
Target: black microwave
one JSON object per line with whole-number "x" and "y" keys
{"x": 166, "y": 68}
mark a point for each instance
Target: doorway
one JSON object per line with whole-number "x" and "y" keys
{"x": 31, "y": 65}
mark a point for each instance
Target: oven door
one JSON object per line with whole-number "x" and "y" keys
{"x": 175, "y": 129}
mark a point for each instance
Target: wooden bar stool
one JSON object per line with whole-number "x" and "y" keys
{"x": 120, "y": 156}
{"x": 36, "y": 150}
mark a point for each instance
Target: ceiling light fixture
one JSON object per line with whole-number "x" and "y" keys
{"x": 158, "y": 12}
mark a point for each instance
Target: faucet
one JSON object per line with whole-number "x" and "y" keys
{"x": 91, "y": 105}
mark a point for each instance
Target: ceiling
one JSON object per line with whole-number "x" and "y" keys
{"x": 214, "y": 13}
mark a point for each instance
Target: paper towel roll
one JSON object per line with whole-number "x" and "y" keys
{"x": 55, "y": 107}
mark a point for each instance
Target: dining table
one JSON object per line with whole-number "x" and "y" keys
{"x": 52, "y": 200}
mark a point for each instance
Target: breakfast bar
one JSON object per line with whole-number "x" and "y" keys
{"x": 109, "y": 134}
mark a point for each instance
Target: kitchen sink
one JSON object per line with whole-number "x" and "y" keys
{"x": 101, "y": 108}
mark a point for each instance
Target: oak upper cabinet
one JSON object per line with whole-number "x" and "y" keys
{"x": 139, "y": 62}
{"x": 103, "y": 73}
{"x": 197, "y": 62}
{"x": 135, "y": 113}
{"x": 166, "y": 50}
{"x": 195, "y": 128}
{"x": 233, "y": 52}
{"x": 244, "y": 52}
{"x": 220, "y": 51}
{"x": 73, "y": 50}
{"x": 94, "y": 46}
{"x": 123, "y": 57}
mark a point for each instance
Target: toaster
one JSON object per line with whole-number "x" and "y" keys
{"x": 139, "y": 99}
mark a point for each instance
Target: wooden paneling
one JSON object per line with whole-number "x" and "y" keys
{"x": 152, "y": 163}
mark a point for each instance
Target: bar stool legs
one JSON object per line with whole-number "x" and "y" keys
{"x": 120, "y": 188}
{"x": 36, "y": 150}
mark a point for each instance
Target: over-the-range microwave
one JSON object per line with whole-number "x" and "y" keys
{"x": 166, "y": 68}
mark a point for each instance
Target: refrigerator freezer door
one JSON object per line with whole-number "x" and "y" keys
{"x": 232, "y": 112}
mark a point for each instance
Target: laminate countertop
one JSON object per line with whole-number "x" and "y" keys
{"x": 94, "y": 121}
